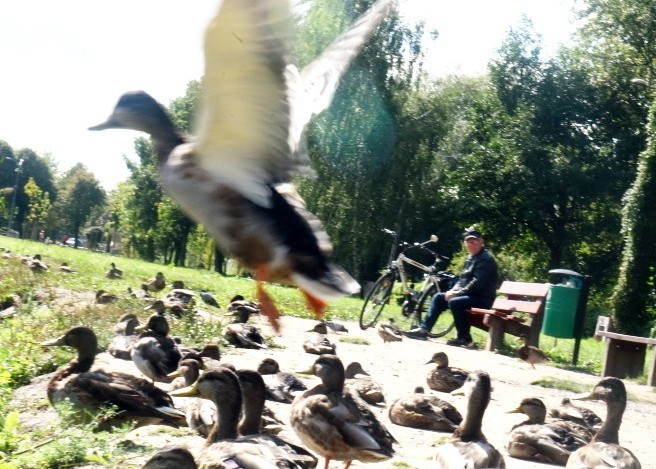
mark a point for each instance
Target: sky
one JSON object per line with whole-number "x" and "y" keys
{"x": 65, "y": 63}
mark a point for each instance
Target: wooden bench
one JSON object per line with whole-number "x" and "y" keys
{"x": 518, "y": 311}
{"x": 625, "y": 354}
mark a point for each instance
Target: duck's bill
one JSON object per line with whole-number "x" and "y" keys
{"x": 585, "y": 396}
{"x": 108, "y": 124}
{"x": 189, "y": 391}
{"x": 174, "y": 374}
{"x": 53, "y": 342}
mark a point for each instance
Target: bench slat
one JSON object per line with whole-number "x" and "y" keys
{"x": 504, "y": 304}
{"x": 538, "y": 290}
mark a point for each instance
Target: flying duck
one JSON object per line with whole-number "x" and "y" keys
{"x": 234, "y": 176}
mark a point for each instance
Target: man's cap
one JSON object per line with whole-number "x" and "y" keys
{"x": 472, "y": 234}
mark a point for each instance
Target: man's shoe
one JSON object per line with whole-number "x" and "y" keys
{"x": 418, "y": 333}
{"x": 459, "y": 342}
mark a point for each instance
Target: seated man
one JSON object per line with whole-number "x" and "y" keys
{"x": 476, "y": 288}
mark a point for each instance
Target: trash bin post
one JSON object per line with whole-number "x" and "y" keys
{"x": 579, "y": 320}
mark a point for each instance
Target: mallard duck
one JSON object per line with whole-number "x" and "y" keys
{"x": 135, "y": 398}
{"x": 157, "y": 283}
{"x": 336, "y": 424}
{"x": 550, "y": 442}
{"x": 577, "y": 414}
{"x": 36, "y": 264}
{"x": 140, "y": 293}
{"x": 319, "y": 344}
{"x": 361, "y": 382}
{"x": 232, "y": 177}
{"x": 103, "y": 297}
{"x": 114, "y": 272}
{"x": 468, "y": 446}
{"x": 242, "y": 334}
{"x": 604, "y": 450}
{"x": 280, "y": 386}
{"x": 223, "y": 448}
{"x": 171, "y": 457}
{"x": 183, "y": 295}
{"x": 155, "y": 354}
{"x": 389, "y": 331}
{"x": 64, "y": 267}
{"x": 209, "y": 299}
{"x": 531, "y": 354}
{"x": 125, "y": 337}
{"x": 444, "y": 378}
{"x": 419, "y": 410}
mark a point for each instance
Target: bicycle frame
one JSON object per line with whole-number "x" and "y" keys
{"x": 398, "y": 264}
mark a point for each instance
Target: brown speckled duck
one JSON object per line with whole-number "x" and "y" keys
{"x": 361, "y": 382}
{"x": 426, "y": 412}
{"x": 551, "y": 442}
{"x": 336, "y": 424}
{"x": 234, "y": 176}
{"x": 135, "y": 398}
{"x": 468, "y": 446}
{"x": 604, "y": 450}
{"x": 389, "y": 331}
{"x": 531, "y": 354}
{"x": 223, "y": 447}
{"x": 444, "y": 378}
{"x": 567, "y": 410}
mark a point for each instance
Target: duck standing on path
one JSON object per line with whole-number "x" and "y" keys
{"x": 157, "y": 283}
{"x": 468, "y": 446}
{"x": 135, "y": 398}
{"x": 234, "y": 177}
{"x": 531, "y": 354}
{"x": 389, "y": 331}
{"x": 336, "y": 424}
{"x": 604, "y": 450}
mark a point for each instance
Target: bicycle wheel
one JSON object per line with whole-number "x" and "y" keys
{"x": 378, "y": 297}
{"x": 444, "y": 323}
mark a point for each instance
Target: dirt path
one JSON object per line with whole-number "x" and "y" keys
{"x": 399, "y": 368}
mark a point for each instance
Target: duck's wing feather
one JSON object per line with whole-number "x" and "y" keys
{"x": 244, "y": 124}
{"x": 312, "y": 90}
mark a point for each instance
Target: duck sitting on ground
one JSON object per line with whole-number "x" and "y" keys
{"x": 209, "y": 299}
{"x": 64, "y": 267}
{"x": 242, "y": 334}
{"x": 155, "y": 354}
{"x": 577, "y": 414}
{"x": 468, "y": 446}
{"x": 426, "y": 412}
{"x": 604, "y": 450}
{"x": 280, "y": 386}
{"x": 103, "y": 297}
{"x": 125, "y": 337}
{"x": 551, "y": 442}
{"x": 223, "y": 448}
{"x": 444, "y": 378}
{"x": 114, "y": 272}
{"x": 171, "y": 457}
{"x": 389, "y": 331}
{"x": 336, "y": 424}
{"x": 361, "y": 382}
{"x": 530, "y": 354}
{"x": 156, "y": 284}
{"x": 135, "y": 398}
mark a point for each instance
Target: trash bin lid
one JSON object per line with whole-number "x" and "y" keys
{"x": 565, "y": 272}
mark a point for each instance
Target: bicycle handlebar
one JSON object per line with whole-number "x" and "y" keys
{"x": 404, "y": 245}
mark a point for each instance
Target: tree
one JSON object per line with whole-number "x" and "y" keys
{"x": 39, "y": 207}
{"x": 81, "y": 193}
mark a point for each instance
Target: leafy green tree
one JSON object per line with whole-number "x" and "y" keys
{"x": 39, "y": 207}
{"x": 81, "y": 193}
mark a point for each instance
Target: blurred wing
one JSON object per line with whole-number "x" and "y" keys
{"x": 312, "y": 90}
{"x": 244, "y": 124}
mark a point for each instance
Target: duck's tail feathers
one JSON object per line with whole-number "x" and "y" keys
{"x": 333, "y": 282}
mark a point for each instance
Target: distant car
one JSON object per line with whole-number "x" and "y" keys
{"x": 70, "y": 242}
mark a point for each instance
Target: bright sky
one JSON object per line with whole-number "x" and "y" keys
{"x": 66, "y": 62}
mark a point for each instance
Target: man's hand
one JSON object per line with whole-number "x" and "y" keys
{"x": 450, "y": 294}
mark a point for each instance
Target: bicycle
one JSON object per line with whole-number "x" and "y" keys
{"x": 414, "y": 304}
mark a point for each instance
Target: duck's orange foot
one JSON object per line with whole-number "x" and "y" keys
{"x": 317, "y": 306}
{"x": 266, "y": 305}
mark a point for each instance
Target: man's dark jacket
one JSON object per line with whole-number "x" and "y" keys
{"x": 479, "y": 276}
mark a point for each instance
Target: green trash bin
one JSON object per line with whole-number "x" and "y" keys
{"x": 560, "y": 311}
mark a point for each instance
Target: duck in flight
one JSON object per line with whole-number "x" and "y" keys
{"x": 233, "y": 177}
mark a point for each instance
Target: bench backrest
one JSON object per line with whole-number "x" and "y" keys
{"x": 522, "y": 297}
